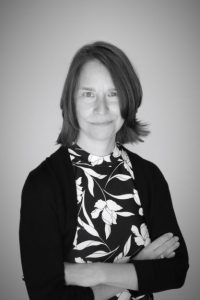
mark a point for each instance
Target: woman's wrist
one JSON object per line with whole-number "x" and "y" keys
{"x": 87, "y": 275}
{"x": 118, "y": 275}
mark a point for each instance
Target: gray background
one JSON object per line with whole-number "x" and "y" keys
{"x": 38, "y": 40}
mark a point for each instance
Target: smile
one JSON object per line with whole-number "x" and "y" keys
{"x": 101, "y": 123}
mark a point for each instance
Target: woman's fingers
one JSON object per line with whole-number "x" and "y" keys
{"x": 162, "y": 247}
{"x": 166, "y": 249}
{"x": 160, "y": 241}
{"x": 167, "y": 253}
{"x": 172, "y": 254}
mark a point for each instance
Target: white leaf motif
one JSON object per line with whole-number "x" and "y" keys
{"x": 139, "y": 241}
{"x": 140, "y": 297}
{"x": 95, "y": 160}
{"x": 107, "y": 230}
{"x": 118, "y": 257}
{"x": 98, "y": 254}
{"x": 145, "y": 234}
{"x": 73, "y": 152}
{"x": 92, "y": 173}
{"x": 107, "y": 216}
{"x": 88, "y": 228}
{"x": 112, "y": 205}
{"x": 90, "y": 184}
{"x": 141, "y": 211}
{"x": 135, "y": 230}
{"x": 121, "y": 197}
{"x": 122, "y": 177}
{"x": 86, "y": 244}
{"x": 136, "y": 197}
{"x": 100, "y": 204}
{"x": 125, "y": 214}
{"x": 127, "y": 246}
{"x": 95, "y": 213}
{"x": 101, "y": 253}
{"x": 79, "y": 260}
{"x": 143, "y": 238}
{"x": 76, "y": 236}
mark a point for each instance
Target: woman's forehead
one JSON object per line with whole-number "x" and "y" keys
{"x": 94, "y": 72}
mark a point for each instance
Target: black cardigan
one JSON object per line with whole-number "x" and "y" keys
{"x": 48, "y": 223}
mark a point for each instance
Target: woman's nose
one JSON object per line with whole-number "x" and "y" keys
{"x": 101, "y": 106}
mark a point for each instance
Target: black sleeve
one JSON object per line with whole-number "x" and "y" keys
{"x": 41, "y": 245}
{"x": 161, "y": 274}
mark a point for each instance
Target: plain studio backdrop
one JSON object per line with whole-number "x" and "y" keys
{"x": 38, "y": 40}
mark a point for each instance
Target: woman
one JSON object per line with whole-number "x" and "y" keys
{"x": 97, "y": 221}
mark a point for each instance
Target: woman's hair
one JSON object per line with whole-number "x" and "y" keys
{"x": 126, "y": 82}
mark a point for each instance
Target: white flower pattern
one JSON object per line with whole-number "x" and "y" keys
{"x": 109, "y": 211}
{"x": 127, "y": 163}
{"x": 96, "y": 160}
{"x": 142, "y": 237}
{"x": 111, "y": 225}
{"x": 79, "y": 189}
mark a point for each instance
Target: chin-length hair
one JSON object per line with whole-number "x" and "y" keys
{"x": 126, "y": 82}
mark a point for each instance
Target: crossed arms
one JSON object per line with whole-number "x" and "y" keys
{"x": 108, "y": 279}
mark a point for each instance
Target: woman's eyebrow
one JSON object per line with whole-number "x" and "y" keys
{"x": 90, "y": 89}
{"x": 87, "y": 88}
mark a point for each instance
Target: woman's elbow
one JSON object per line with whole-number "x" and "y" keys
{"x": 180, "y": 276}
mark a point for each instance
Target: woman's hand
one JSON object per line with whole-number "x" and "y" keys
{"x": 162, "y": 247}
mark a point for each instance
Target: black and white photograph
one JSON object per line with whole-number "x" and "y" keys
{"x": 99, "y": 149}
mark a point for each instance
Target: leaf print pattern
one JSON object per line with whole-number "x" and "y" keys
{"x": 137, "y": 200}
{"x": 122, "y": 257}
{"x": 127, "y": 246}
{"x": 79, "y": 260}
{"x": 76, "y": 237}
{"x": 98, "y": 254}
{"x": 136, "y": 197}
{"x": 141, "y": 213}
{"x": 79, "y": 189}
{"x": 96, "y": 160}
{"x": 87, "y": 243}
{"x": 142, "y": 237}
{"x": 110, "y": 224}
{"x": 127, "y": 163}
{"x": 90, "y": 174}
{"x": 122, "y": 177}
{"x": 90, "y": 229}
{"x": 121, "y": 197}
{"x": 109, "y": 210}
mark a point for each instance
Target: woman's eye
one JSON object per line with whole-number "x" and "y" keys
{"x": 112, "y": 94}
{"x": 88, "y": 94}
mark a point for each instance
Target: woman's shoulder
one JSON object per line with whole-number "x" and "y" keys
{"x": 143, "y": 165}
{"x": 137, "y": 159}
{"x": 46, "y": 172}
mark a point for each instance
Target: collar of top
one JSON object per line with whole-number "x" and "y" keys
{"x": 78, "y": 154}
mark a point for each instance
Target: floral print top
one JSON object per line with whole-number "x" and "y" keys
{"x": 111, "y": 226}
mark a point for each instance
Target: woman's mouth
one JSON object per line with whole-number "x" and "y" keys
{"x": 101, "y": 123}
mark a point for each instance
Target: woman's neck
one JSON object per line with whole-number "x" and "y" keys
{"x": 98, "y": 148}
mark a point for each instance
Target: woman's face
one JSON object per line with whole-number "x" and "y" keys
{"x": 97, "y": 104}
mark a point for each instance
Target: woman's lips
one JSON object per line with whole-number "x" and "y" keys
{"x": 101, "y": 123}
